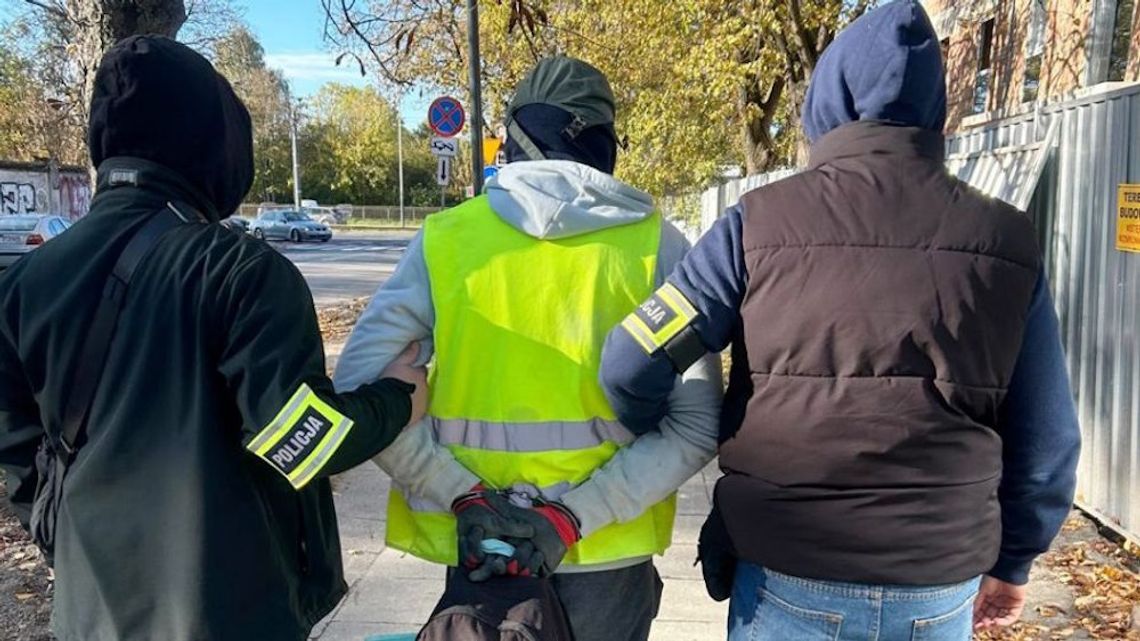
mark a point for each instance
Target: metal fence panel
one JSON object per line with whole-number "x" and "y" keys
{"x": 717, "y": 199}
{"x": 1009, "y": 173}
{"x": 387, "y": 215}
{"x": 1096, "y": 288}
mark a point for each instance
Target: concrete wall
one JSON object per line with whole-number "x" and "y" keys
{"x": 25, "y": 188}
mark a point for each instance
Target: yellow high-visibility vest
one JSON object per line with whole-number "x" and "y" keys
{"x": 519, "y": 328}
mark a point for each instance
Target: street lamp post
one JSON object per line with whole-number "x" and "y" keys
{"x": 296, "y": 162}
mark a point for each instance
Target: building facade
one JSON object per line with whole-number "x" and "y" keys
{"x": 1003, "y": 56}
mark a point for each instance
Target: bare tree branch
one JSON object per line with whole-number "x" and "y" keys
{"x": 55, "y": 8}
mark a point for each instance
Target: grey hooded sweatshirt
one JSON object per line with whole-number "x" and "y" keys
{"x": 546, "y": 199}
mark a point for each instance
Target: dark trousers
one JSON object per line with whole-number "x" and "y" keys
{"x": 613, "y": 605}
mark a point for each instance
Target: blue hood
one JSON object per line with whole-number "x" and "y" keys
{"x": 887, "y": 66}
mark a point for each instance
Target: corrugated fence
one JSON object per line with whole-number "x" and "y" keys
{"x": 1096, "y": 287}
{"x": 1063, "y": 162}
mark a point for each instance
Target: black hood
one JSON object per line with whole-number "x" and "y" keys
{"x": 160, "y": 101}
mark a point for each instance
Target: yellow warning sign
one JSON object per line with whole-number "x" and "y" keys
{"x": 491, "y": 150}
{"x": 1128, "y": 218}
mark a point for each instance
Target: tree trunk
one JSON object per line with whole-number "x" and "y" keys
{"x": 759, "y": 156}
{"x": 99, "y": 24}
{"x": 759, "y": 109}
{"x": 797, "y": 96}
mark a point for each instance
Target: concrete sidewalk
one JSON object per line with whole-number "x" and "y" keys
{"x": 390, "y": 592}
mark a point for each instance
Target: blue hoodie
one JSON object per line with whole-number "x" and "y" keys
{"x": 886, "y": 66}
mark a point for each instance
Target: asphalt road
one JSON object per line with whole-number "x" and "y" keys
{"x": 351, "y": 265}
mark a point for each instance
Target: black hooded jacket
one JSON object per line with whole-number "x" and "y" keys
{"x": 169, "y": 527}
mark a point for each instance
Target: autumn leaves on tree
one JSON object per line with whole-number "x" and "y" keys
{"x": 703, "y": 85}
{"x": 347, "y": 135}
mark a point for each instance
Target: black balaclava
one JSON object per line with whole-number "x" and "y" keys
{"x": 545, "y": 124}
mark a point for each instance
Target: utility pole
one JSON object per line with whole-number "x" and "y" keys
{"x": 476, "y": 96}
{"x": 296, "y": 162}
{"x": 400, "y": 149}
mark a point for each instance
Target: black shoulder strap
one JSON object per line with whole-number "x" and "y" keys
{"x": 102, "y": 332}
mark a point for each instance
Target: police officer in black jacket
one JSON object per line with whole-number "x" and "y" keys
{"x": 195, "y": 502}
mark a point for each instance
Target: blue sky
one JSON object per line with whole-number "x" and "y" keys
{"x": 292, "y": 33}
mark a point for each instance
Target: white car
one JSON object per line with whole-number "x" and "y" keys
{"x": 328, "y": 215}
{"x": 20, "y": 234}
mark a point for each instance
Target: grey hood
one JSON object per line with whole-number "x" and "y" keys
{"x": 554, "y": 199}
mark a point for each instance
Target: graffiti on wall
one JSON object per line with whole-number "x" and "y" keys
{"x": 37, "y": 191}
{"x": 17, "y": 198}
{"x": 74, "y": 196}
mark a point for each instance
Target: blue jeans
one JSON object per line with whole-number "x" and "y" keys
{"x": 768, "y": 606}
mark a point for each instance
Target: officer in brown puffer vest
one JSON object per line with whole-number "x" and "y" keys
{"x": 899, "y": 440}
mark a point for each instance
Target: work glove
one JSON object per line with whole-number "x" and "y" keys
{"x": 476, "y": 520}
{"x": 555, "y": 530}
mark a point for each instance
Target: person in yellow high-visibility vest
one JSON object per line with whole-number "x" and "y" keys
{"x": 516, "y": 290}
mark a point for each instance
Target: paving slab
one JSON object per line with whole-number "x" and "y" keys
{"x": 379, "y": 598}
{"x": 349, "y": 631}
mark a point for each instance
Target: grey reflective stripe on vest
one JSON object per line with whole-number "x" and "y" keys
{"x": 542, "y": 436}
{"x": 420, "y": 504}
{"x": 530, "y": 437}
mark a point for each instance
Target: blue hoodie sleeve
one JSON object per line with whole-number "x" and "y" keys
{"x": 1040, "y": 444}
{"x": 712, "y": 278}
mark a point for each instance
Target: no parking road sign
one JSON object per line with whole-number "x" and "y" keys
{"x": 446, "y": 117}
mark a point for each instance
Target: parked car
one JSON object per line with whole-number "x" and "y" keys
{"x": 327, "y": 215}
{"x": 266, "y": 207}
{"x": 21, "y": 234}
{"x": 237, "y": 223}
{"x": 289, "y": 225}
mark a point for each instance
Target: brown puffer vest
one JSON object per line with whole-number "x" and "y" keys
{"x": 883, "y": 315}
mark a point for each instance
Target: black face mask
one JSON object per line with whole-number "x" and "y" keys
{"x": 545, "y": 125}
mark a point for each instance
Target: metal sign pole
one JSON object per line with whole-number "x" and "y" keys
{"x": 476, "y": 96}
